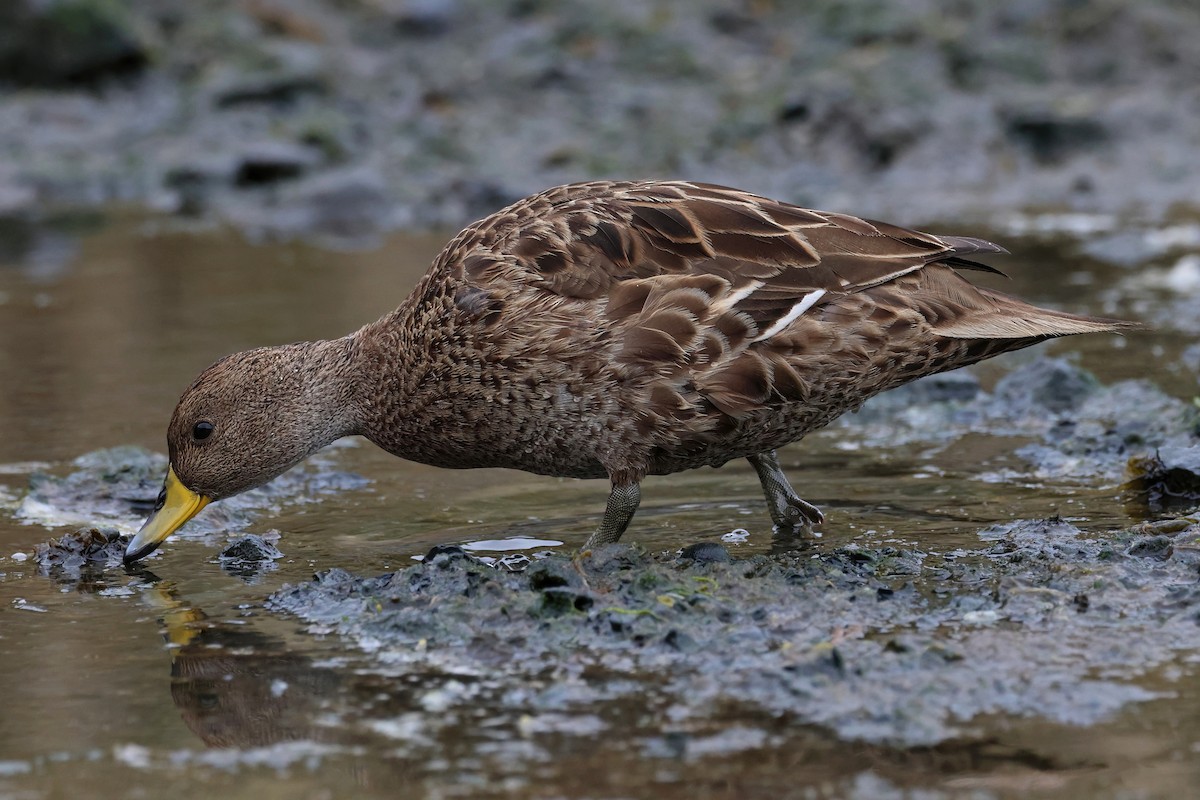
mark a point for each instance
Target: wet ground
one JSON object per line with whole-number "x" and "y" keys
{"x": 987, "y": 613}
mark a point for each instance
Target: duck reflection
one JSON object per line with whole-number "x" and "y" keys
{"x": 239, "y": 687}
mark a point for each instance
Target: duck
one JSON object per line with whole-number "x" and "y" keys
{"x": 612, "y": 329}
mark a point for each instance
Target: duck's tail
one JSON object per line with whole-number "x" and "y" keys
{"x": 1010, "y": 318}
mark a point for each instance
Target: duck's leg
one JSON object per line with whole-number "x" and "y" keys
{"x": 788, "y": 511}
{"x": 623, "y": 502}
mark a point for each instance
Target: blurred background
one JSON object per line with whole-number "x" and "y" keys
{"x": 344, "y": 118}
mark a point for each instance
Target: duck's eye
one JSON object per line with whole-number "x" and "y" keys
{"x": 202, "y": 431}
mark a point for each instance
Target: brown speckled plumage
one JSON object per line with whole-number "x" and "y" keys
{"x": 619, "y": 329}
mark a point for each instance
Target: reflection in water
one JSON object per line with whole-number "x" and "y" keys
{"x": 237, "y": 687}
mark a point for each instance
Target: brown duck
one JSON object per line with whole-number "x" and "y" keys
{"x": 611, "y": 329}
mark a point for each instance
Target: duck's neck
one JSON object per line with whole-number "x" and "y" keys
{"x": 405, "y": 402}
{"x": 326, "y": 380}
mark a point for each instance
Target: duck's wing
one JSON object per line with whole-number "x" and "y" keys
{"x": 762, "y": 259}
{"x": 579, "y": 240}
{"x": 727, "y": 294}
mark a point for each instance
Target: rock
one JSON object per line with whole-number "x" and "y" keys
{"x": 346, "y": 204}
{"x": 64, "y": 42}
{"x": 706, "y": 553}
{"x": 84, "y": 551}
{"x": 249, "y": 557}
{"x": 195, "y": 179}
{"x": 958, "y": 385}
{"x": 291, "y": 71}
{"x": 1169, "y": 479}
{"x": 954, "y": 386}
{"x": 610, "y": 558}
{"x": 444, "y": 553}
{"x": 249, "y": 549}
{"x": 1158, "y": 548}
{"x": 1047, "y": 384}
{"x": 482, "y": 196}
{"x": 425, "y": 18}
{"x": 554, "y": 574}
{"x": 1050, "y": 137}
{"x": 273, "y": 161}
{"x": 343, "y": 208}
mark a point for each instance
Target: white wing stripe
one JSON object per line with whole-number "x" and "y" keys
{"x": 733, "y": 298}
{"x": 805, "y": 304}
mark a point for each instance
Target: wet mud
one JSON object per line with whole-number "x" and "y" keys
{"x": 885, "y": 645}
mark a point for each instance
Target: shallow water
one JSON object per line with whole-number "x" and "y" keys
{"x": 178, "y": 681}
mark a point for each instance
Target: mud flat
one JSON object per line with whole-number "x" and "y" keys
{"x": 892, "y": 646}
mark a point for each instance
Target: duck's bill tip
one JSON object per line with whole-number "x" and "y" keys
{"x": 176, "y": 505}
{"x": 136, "y": 554}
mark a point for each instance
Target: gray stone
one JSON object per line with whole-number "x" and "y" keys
{"x": 272, "y": 161}
{"x": 64, "y": 42}
{"x": 1047, "y": 384}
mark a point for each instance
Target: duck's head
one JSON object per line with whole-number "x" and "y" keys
{"x": 245, "y": 420}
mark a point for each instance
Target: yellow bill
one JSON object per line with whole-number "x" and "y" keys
{"x": 176, "y": 505}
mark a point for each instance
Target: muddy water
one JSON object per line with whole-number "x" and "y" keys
{"x": 177, "y": 681}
